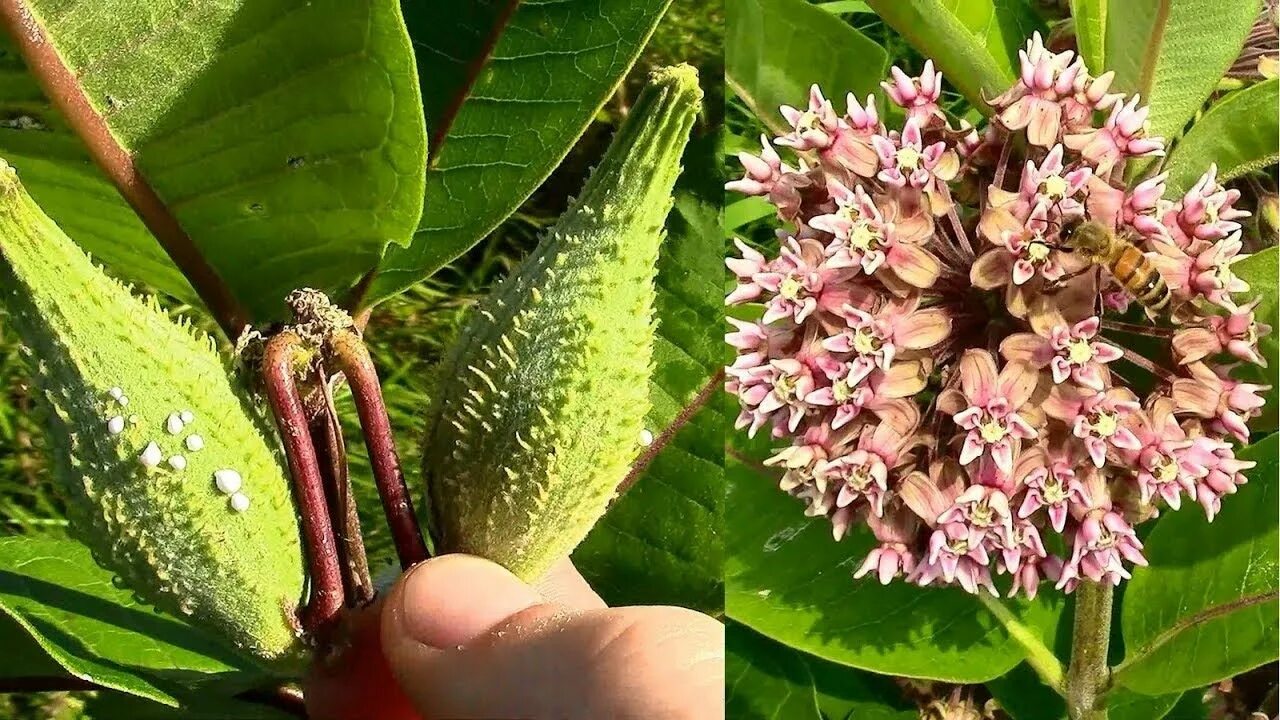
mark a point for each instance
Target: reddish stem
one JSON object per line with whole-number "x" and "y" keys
{"x": 1137, "y": 329}
{"x": 1147, "y": 365}
{"x": 331, "y": 452}
{"x": 350, "y": 356}
{"x": 1003, "y": 163}
{"x": 278, "y": 365}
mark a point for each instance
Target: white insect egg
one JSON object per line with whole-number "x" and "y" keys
{"x": 115, "y": 425}
{"x": 177, "y": 462}
{"x": 187, "y": 416}
{"x": 239, "y": 502}
{"x": 123, "y": 400}
{"x": 646, "y": 437}
{"x": 133, "y": 419}
{"x": 173, "y": 424}
{"x": 115, "y": 393}
{"x": 151, "y": 455}
{"x": 228, "y": 481}
{"x": 194, "y": 443}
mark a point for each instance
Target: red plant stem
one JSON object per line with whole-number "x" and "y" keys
{"x": 326, "y": 600}
{"x": 352, "y": 358}
{"x": 1003, "y": 163}
{"x": 331, "y": 452}
{"x": 958, "y": 228}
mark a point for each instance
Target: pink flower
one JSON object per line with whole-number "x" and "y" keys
{"x": 1050, "y": 483}
{"x": 1223, "y": 473}
{"x": 780, "y": 386}
{"x": 1206, "y": 212}
{"x": 760, "y": 174}
{"x": 1202, "y": 269}
{"x": 1214, "y": 395}
{"x": 804, "y": 280}
{"x": 811, "y": 129}
{"x": 957, "y": 553}
{"x": 918, "y": 96}
{"x": 862, "y": 472}
{"x": 1048, "y": 186}
{"x": 988, "y": 406}
{"x": 1103, "y": 541}
{"x": 1122, "y": 136}
{"x": 1161, "y": 461}
{"x": 905, "y": 161}
{"x": 1069, "y": 352}
{"x": 1034, "y": 103}
{"x": 897, "y": 325}
{"x": 896, "y": 532}
{"x": 1027, "y": 577}
{"x": 1095, "y": 418}
{"x": 1236, "y": 333}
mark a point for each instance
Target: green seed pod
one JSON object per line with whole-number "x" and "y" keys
{"x": 169, "y": 474}
{"x": 541, "y": 401}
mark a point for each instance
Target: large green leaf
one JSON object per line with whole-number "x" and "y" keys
{"x": 1174, "y": 52}
{"x": 768, "y": 681}
{"x": 978, "y": 70}
{"x": 1024, "y": 697}
{"x": 287, "y": 139}
{"x": 1090, "y": 19}
{"x": 1239, "y": 133}
{"x": 1261, "y": 271}
{"x": 552, "y": 68}
{"x": 1001, "y": 26}
{"x": 1205, "y": 609}
{"x": 776, "y": 49}
{"x": 786, "y": 578}
{"x": 661, "y": 541}
{"x": 99, "y": 632}
{"x": 58, "y": 172}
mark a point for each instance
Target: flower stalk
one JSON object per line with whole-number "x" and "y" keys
{"x": 1088, "y": 676}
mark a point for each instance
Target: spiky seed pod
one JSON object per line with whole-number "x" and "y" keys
{"x": 144, "y": 418}
{"x": 541, "y": 401}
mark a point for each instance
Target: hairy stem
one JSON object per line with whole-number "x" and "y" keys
{"x": 280, "y": 360}
{"x": 331, "y": 451}
{"x": 350, "y": 356}
{"x": 1088, "y": 675}
{"x": 1039, "y": 657}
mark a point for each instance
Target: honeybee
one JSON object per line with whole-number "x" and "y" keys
{"x": 1131, "y": 268}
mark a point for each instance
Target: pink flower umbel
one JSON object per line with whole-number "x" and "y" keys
{"x": 943, "y": 367}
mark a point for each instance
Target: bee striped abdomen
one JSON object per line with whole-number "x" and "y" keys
{"x": 1140, "y": 278}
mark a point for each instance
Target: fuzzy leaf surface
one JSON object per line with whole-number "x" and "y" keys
{"x": 768, "y": 681}
{"x": 776, "y": 49}
{"x": 1167, "y": 52}
{"x": 553, "y": 66}
{"x": 787, "y": 579}
{"x": 1205, "y": 609}
{"x": 284, "y": 137}
{"x": 1239, "y": 133}
{"x": 97, "y": 631}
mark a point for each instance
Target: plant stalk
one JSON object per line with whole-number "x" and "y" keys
{"x": 279, "y": 364}
{"x": 1088, "y": 675}
{"x": 349, "y": 355}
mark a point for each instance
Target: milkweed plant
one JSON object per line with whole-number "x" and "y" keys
{"x": 936, "y": 363}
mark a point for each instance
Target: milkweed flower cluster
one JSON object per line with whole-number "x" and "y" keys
{"x": 947, "y": 374}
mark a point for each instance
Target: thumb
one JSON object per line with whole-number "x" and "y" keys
{"x": 464, "y": 638}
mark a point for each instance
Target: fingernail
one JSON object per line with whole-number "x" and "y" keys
{"x": 452, "y": 599}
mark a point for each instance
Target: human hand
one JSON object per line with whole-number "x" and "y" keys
{"x": 463, "y": 638}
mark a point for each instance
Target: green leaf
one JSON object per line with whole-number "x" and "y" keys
{"x": 660, "y": 542}
{"x": 1001, "y": 26}
{"x": 786, "y": 578}
{"x": 1190, "y": 706}
{"x": 287, "y": 139}
{"x": 1238, "y": 133}
{"x": 1024, "y": 697}
{"x": 741, "y": 212}
{"x": 1260, "y": 270}
{"x": 845, "y": 7}
{"x": 1205, "y": 609}
{"x": 975, "y": 68}
{"x": 549, "y": 73}
{"x": 776, "y": 49}
{"x": 1169, "y": 52}
{"x": 1090, "y": 18}
{"x": 58, "y": 172}
{"x": 97, "y": 631}
{"x": 768, "y": 681}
